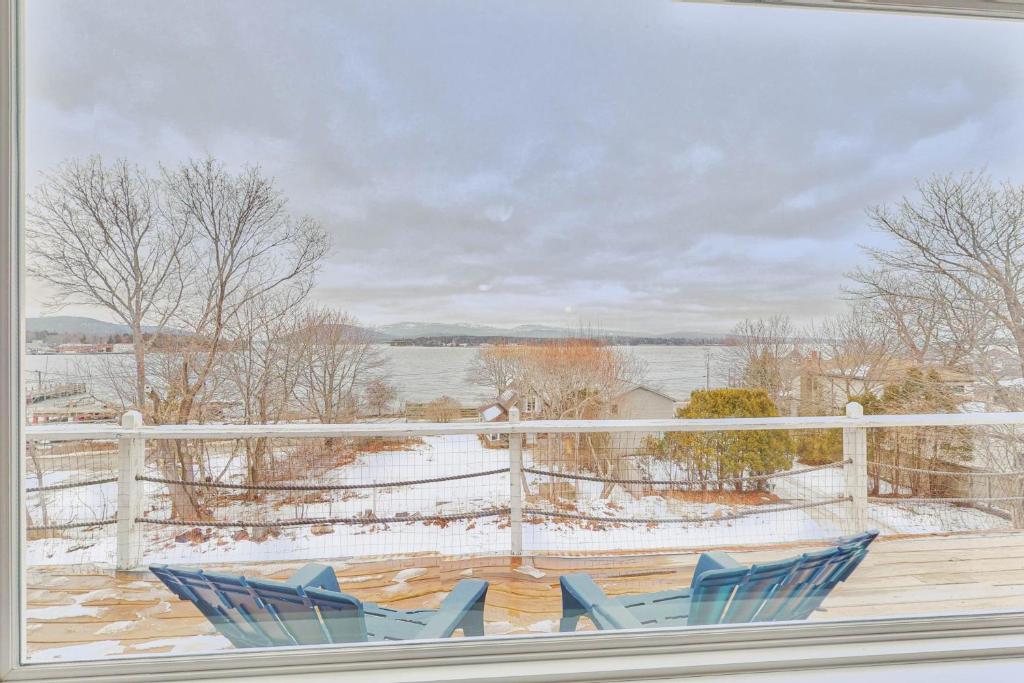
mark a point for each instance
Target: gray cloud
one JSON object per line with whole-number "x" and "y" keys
{"x": 648, "y": 165}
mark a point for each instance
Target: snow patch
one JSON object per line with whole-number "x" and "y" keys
{"x": 103, "y": 648}
{"x": 410, "y": 573}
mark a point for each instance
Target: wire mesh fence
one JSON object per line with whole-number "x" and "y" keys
{"x": 270, "y": 498}
{"x": 659, "y": 491}
{"x": 947, "y": 479}
{"x": 70, "y": 501}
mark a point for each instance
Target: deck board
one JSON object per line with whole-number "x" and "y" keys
{"x": 102, "y": 611}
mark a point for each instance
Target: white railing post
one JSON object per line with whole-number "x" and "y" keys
{"x": 515, "y": 485}
{"x": 855, "y": 470}
{"x": 131, "y": 456}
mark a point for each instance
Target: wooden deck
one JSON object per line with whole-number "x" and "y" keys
{"x": 76, "y": 612}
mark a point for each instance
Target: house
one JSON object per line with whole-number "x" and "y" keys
{"x": 825, "y": 386}
{"x": 498, "y": 411}
{"x": 637, "y": 402}
{"x": 83, "y": 348}
{"x": 38, "y": 346}
{"x": 631, "y": 402}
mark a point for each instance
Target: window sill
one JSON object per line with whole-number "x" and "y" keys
{"x": 622, "y": 656}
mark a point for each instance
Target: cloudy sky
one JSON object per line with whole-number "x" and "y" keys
{"x": 634, "y": 165}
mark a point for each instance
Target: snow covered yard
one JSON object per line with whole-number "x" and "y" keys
{"x": 443, "y": 456}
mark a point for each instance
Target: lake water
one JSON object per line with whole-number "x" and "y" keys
{"x": 425, "y": 373}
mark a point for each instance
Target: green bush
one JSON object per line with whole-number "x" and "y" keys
{"x": 819, "y": 446}
{"x": 724, "y": 455}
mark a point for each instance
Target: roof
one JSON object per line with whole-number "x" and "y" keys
{"x": 499, "y": 407}
{"x": 491, "y": 413}
{"x": 507, "y": 399}
{"x": 891, "y": 372}
{"x": 631, "y": 387}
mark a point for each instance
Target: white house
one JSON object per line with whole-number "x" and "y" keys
{"x": 638, "y": 402}
{"x": 632, "y": 402}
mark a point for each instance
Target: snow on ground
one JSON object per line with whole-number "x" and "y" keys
{"x": 896, "y": 518}
{"x": 923, "y": 518}
{"x": 81, "y": 651}
{"x": 442, "y": 456}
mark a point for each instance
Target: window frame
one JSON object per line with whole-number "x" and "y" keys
{"x": 625, "y": 655}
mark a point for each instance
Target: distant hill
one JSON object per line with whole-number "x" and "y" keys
{"x": 77, "y": 324}
{"x": 421, "y": 330}
{"x": 409, "y": 331}
{"x": 73, "y": 324}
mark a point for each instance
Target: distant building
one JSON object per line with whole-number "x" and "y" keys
{"x": 638, "y": 402}
{"x": 84, "y": 348}
{"x": 498, "y": 411}
{"x": 632, "y": 402}
{"x": 825, "y": 386}
{"x": 37, "y": 346}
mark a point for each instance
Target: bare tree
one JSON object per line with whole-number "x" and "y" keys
{"x": 924, "y": 314}
{"x": 494, "y": 366}
{"x": 379, "y": 395}
{"x": 854, "y": 348}
{"x": 264, "y": 366}
{"x": 97, "y": 235}
{"x": 573, "y": 379}
{"x": 246, "y": 246}
{"x": 763, "y": 354}
{"x": 568, "y": 379}
{"x": 341, "y": 359}
{"x": 965, "y": 234}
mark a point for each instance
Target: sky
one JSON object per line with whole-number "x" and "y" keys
{"x": 646, "y": 166}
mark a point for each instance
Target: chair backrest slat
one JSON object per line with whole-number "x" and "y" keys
{"x": 756, "y": 590}
{"x": 197, "y": 582}
{"x": 212, "y": 611}
{"x": 852, "y": 553}
{"x": 711, "y": 595}
{"x": 808, "y": 572}
{"x": 777, "y": 591}
{"x": 293, "y": 610}
{"x": 236, "y": 592}
{"x": 259, "y": 613}
{"x": 342, "y": 615}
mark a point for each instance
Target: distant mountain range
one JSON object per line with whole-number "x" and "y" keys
{"x": 71, "y": 324}
{"x": 415, "y": 330}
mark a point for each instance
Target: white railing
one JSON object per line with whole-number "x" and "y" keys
{"x": 132, "y": 436}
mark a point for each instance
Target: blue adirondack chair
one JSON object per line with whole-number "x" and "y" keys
{"x": 722, "y": 591}
{"x": 310, "y": 609}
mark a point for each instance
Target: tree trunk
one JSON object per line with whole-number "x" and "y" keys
{"x": 172, "y": 465}
{"x": 139, "y": 347}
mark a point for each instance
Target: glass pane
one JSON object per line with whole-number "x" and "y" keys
{"x": 295, "y": 269}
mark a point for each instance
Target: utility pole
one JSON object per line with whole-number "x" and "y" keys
{"x": 707, "y": 369}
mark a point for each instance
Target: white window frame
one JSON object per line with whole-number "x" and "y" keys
{"x": 626, "y": 655}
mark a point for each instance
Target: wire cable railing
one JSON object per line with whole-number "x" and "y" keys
{"x": 549, "y": 489}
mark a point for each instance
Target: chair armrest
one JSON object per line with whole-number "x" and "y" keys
{"x": 465, "y": 603}
{"x": 863, "y": 539}
{"x": 612, "y": 615}
{"x": 715, "y": 559}
{"x": 604, "y": 611}
{"x": 315, "y": 576}
{"x": 582, "y": 588}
